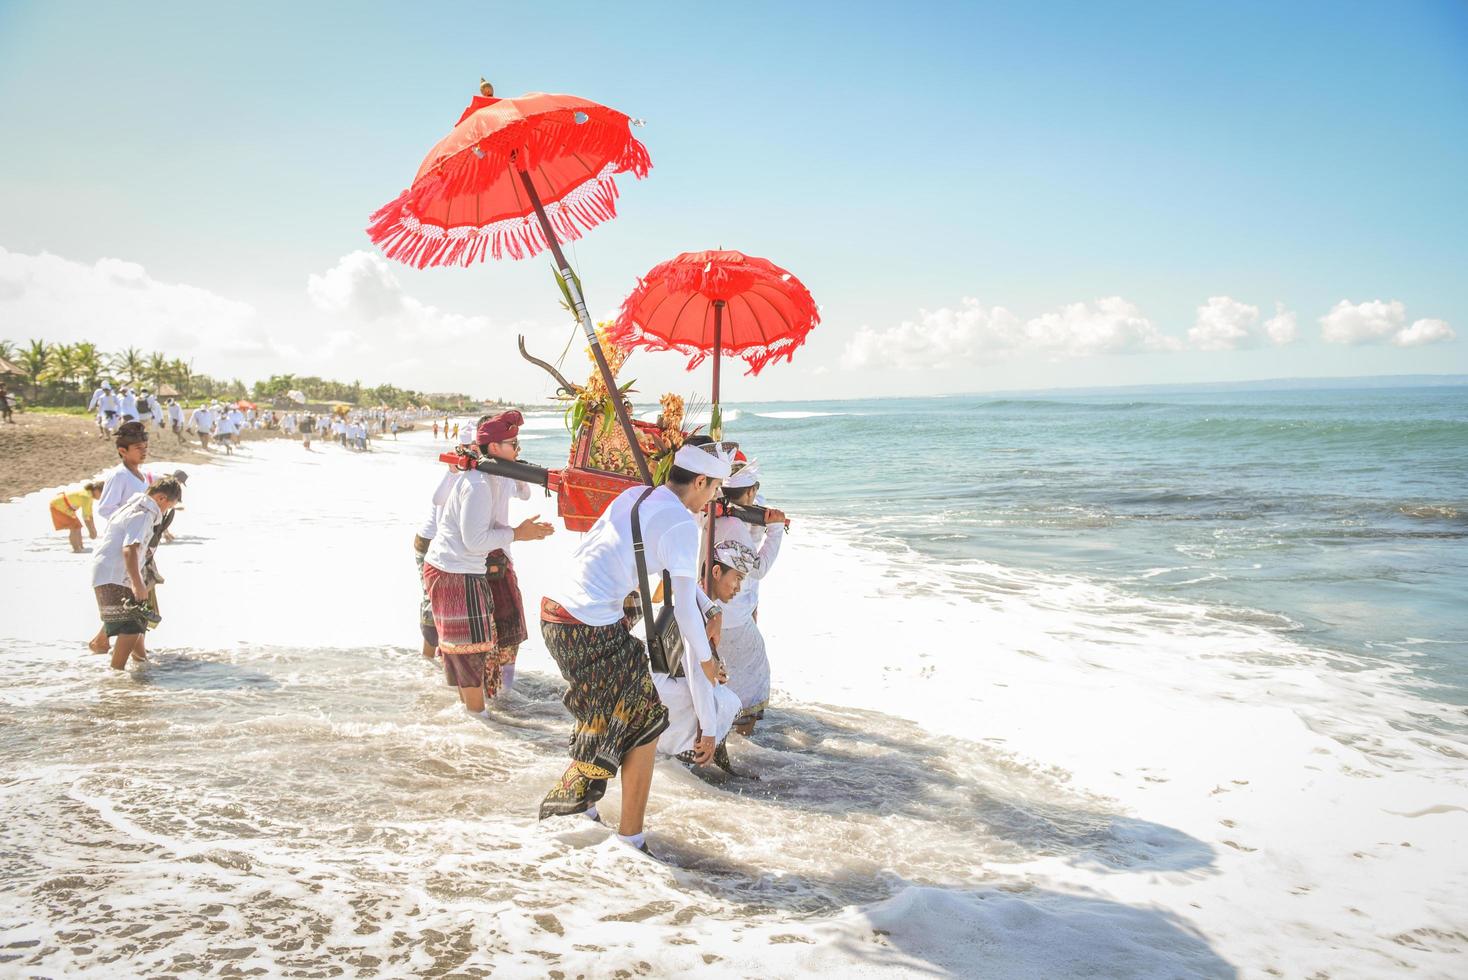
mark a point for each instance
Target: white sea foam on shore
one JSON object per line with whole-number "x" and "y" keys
{"x": 967, "y": 770}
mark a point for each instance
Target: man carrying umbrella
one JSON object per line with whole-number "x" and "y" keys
{"x": 618, "y": 714}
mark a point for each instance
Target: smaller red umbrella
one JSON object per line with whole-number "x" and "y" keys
{"x": 716, "y": 303}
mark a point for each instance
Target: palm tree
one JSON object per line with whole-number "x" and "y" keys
{"x": 182, "y": 375}
{"x": 61, "y": 367}
{"x": 89, "y": 363}
{"x": 157, "y": 370}
{"x": 130, "y": 365}
{"x": 7, "y": 350}
{"x": 32, "y": 361}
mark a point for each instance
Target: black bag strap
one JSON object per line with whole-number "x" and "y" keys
{"x": 658, "y": 655}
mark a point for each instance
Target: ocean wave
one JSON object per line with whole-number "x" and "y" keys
{"x": 798, "y": 415}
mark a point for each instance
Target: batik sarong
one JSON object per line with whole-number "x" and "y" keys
{"x": 742, "y": 649}
{"x": 119, "y": 614}
{"x": 613, "y": 700}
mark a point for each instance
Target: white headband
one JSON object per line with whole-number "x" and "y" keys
{"x": 709, "y": 461}
{"x": 746, "y": 476}
{"x": 738, "y": 556}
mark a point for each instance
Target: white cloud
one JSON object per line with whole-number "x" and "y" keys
{"x": 1283, "y": 327}
{"x": 1376, "y": 322}
{"x": 950, "y": 337}
{"x": 363, "y": 292}
{"x": 116, "y": 304}
{"x": 1224, "y": 323}
{"x": 1424, "y": 332}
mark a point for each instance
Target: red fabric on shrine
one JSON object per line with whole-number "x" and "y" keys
{"x": 767, "y": 313}
{"x": 467, "y": 201}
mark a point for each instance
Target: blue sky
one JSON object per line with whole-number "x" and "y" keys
{"x": 965, "y": 188}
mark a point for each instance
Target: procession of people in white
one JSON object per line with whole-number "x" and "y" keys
{"x": 627, "y": 708}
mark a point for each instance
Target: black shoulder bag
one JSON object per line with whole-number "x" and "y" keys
{"x": 664, "y": 641}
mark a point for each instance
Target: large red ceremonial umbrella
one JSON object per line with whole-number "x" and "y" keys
{"x": 514, "y": 177}
{"x": 715, "y": 303}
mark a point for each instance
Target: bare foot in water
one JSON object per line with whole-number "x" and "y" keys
{"x": 96, "y": 647}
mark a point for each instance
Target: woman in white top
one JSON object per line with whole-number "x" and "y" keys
{"x": 742, "y": 646}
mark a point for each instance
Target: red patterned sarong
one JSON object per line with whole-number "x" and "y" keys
{"x": 463, "y": 610}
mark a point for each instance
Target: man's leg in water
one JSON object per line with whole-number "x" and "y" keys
{"x": 99, "y": 643}
{"x": 636, "y": 786}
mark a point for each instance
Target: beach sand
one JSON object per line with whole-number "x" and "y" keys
{"x": 42, "y": 450}
{"x": 1017, "y": 776}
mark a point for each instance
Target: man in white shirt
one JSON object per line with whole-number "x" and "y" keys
{"x": 202, "y": 422}
{"x": 732, "y": 563}
{"x": 498, "y": 436}
{"x": 117, "y": 570}
{"x": 176, "y": 418}
{"x": 155, "y": 405}
{"x": 742, "y": 647}
{"x": 455, "y": 575}
{"x": 128, "y": 404}
{"x": 618, "y": 714}
{"x": 226, "y": 428}
{"x": 104, "y": 403}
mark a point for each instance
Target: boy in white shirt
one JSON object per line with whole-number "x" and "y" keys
{"x": 117, "y": 569}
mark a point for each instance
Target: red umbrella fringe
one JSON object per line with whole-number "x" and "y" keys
{"x": 403, "y": 236}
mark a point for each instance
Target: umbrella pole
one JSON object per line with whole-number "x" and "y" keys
{"x": 716, "y": 429}
{"x": 578, "y": 303}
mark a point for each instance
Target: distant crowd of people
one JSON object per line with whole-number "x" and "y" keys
{"x": 223, "y": 423}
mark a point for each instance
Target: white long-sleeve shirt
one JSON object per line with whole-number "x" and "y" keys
{"x": 119, "y": 487}
{"x": 605, "y": 572}
{"x": 466, "y": 531}
{"x": 763, "y": 541}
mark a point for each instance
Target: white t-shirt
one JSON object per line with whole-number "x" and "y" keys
{"x": 202, "y": 419}
{"x": 466, "y": 530}
{"x": 605, "y": 570}
{"x": 132, "y": 524}
{"x": 119, "y": 487}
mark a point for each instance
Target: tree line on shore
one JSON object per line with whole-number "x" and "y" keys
{"x": 64, "y": 375}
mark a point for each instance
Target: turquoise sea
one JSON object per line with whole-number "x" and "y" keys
{"x": 1337, "y": 516}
